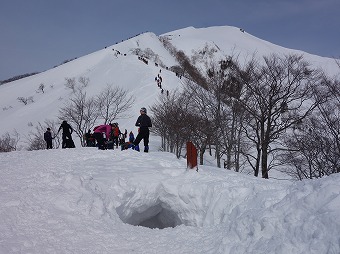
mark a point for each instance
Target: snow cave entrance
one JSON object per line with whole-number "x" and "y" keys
{"x": 158, "y": 216}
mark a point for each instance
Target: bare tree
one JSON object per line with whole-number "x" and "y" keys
{"x": 218, "y": 106}
{"x": 210, "y": 108}
{"x": 25, "y": 100}
{"x": 161, "y": 124}
{"x": 224, "y": 82}
{"x": 113, "y": 102}
{"x": 8, "y": 143}
{"x": 81, "y": 112}
{"x": 310, "y": 153}
{"x": 41, "y": 88}
{"x": 314, "y": 147}
{"x": 211, "y": 112}
{"x": 276, "y": 96}
{"x": 172, "y": 121}
{"x": 35, "y": 139}
{"x": 71, "y": 84}
{"x": 84, "y": 81}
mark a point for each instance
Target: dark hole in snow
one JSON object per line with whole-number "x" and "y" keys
{"x": 156, "y": 216}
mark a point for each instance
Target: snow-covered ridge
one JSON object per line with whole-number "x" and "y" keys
{"x": 238, "y": 43}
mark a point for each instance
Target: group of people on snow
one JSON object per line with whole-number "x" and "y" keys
{"x": 67, "y": 141}
{"x": 107, "y": 136}
{"x": 159, "y": 81}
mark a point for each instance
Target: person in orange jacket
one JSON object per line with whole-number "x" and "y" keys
{"x": 115, "y": 134}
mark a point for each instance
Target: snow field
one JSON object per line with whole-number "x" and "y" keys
{"x": 87, "y": 200}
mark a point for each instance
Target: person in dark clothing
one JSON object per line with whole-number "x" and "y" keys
{"x": 131, "y": 137}
{"x": 48, "y": 138}
{"x": 143, "y": 122}
{"x": 67, "y": 138}
{"x": 89, "y": 139}
{"x": 115, "y": 134}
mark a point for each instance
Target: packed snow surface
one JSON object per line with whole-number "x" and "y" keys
{"x": 86, "y": 200}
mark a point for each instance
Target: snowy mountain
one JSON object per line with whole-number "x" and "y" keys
{"x": 104, "y": 67}
{"x": 86, "y": 200}
{"x": 118, "y": 65}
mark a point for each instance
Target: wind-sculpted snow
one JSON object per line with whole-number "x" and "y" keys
{"x": 85, "y": 200}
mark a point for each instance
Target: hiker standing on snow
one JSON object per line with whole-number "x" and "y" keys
{"x": 143, "y": 122}
{"x": 115, "y": 134}
{"x": 67, "y": 138}
{"x": 48, "y": 138}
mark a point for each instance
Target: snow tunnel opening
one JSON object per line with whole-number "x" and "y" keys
{"x": 157, "y": 216}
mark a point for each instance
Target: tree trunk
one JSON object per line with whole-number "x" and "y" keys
{"x": 264, "y": 160}
{"x": 218, "y": 156}
{"x": 257, "y": 165}
{"x": 228, "y": 161}
{"x": 202, "y": 150}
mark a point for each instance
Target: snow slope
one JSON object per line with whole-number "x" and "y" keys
{"x": 107, "y": 67}
{"x": 104, "y": 67}
{"x": 86, "y": 200}
{"x": 242, "y": 45}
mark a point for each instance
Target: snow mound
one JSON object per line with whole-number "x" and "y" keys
{"x": 86, "y": 200}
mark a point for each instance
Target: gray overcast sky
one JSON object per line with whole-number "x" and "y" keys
{"x": 36, "y": 35}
